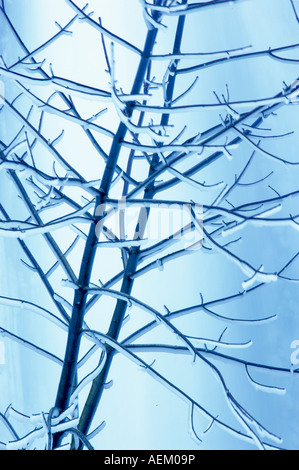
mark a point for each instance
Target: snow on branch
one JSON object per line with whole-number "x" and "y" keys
{"x": 181, "y": 9}
{"x": 84, "y": 123}
{"x": 269, "y": 52}
{"x": 139, "y": 158}
{"x": 21, "y": 230}
{"x": 28, "y": 171}
{"x": 30, "y": 345}
{"x": 62, "y": 31}
{"x": 183, "y": 395}
{"x": 58, "y": 84}
{"x": 23, "y": 304}
{"x": 41, "y": 139}
{"x": 98, "y": 26}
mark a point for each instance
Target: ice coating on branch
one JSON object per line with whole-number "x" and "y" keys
{"x": 232, "y": 229}
{"x": 22, "y": 304}
{"x": 259, "y": 277}
{"x": 26, "y": 161}
{"x": 265, "y": 388}
{"x": 214, "y": 343}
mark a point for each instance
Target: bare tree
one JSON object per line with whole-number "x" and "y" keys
{"x": 130, "y": 180}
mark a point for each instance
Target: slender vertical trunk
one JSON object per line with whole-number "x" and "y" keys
{"x": 73, "y": 342}
{"x": 97, "y": 387}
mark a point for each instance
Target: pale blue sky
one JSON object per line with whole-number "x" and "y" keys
{"x": 148, "y": 417}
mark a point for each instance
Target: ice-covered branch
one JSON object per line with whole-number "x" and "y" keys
{"x": 153, "y": 146}
{"x": 185, "y": 9}
{"x": 21, "y": 230}
{"x": 178, "y": 349}
{"x": 23, "y": 304}
{"x": 42, "y": 140}
{"x": 121, "y": 105}
{"x": 197, "y": 148}
{"x": 28, "y": 441}
{"x": 218, "y": 106}
{"x": 183, "y": 338}
{"x": 260, "y": 150}
{"x": 28, "y": 171}
{"x": 64, "y": 114}
{"x": 192, "y": 55}
{"x": 58, "y": 84}
{"x": 265, "y": 388}
{"x": 172, "y": 387}
{"x": 229, "y": 58}
{"x": 63, "y": 30}
{"x": 256, "y": 274}
{"x": 98, "y": 26}
{"x": 30, "y": 345}
{"x": 79, "y": 307}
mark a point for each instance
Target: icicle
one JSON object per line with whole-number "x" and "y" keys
{"x": 160, "y": 264}
{"x": 234, "y": 114}
{"x": 226, "y": 153}
{"x": 108, "y": 385}
{"x": 69, "y": 283}
{"x": 33, "y": 65}
{"x": 96, "y": 431}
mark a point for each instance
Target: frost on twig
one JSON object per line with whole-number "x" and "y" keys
{"x": 123, "y": 103}
{"x": 81, "y": 151}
